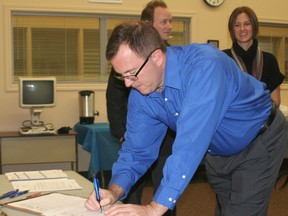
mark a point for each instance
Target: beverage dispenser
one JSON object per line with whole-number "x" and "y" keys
{"x": 86, "y": 109}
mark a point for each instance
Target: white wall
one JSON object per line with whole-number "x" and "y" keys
{"x": 207, "y": 23}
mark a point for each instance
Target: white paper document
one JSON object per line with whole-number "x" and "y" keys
{"x": 55, "y": 204}
{"x": 35, "y": 175}
{"x": 46, "y": 185}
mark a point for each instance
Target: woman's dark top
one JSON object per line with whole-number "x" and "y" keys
{"x": 271, "y": 74}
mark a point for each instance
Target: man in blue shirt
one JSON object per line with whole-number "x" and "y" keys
{"x": 215, "y": 109}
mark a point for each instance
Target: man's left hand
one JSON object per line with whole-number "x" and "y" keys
{"x": 152, "y": 209}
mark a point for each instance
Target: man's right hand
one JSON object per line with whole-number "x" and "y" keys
{"x": 108, "y": 197}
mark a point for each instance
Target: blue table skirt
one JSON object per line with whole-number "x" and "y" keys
{"x": 96, "y": 139}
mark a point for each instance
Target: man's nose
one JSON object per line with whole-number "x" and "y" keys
{"x": 169, "y": 25}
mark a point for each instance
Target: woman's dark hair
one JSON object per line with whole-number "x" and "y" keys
{"x": 253, "y": 19}
{"x": 141, "y": 37}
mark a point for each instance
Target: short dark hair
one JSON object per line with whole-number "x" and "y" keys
{"x": 148, "y": 12}
{"x": 253, "y": 19}
{"x": 141, "y": 37}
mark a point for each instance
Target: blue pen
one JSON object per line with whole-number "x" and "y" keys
{"x": 96, "y": 188}
{"x": 18, "y": 194}
{"x": 8, "y": 194}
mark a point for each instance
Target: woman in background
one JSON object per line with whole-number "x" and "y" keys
{"x": 244, "y": 27}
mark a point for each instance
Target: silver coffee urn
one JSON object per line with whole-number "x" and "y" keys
{"x": 86, "y": 107}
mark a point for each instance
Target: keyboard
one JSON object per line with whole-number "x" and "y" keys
{"x": 37, "y": 131}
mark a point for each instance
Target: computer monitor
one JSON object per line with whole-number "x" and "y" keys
{"x": 36, "y": 93}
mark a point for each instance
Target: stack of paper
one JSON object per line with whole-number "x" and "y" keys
{"x": 55, "y": 205}
{"x": 33, "y": 175}
{"x": 40, "y": 181}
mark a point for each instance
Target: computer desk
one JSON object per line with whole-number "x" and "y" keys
{"x": 5, "y": 186}
{"x": 17, "y": 149}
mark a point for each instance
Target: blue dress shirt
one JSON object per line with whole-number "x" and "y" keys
{"x": 211, "y": 104}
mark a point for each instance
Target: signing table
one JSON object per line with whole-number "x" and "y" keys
{"x": 96, "y": 139}
{"x": 86, "y": 185}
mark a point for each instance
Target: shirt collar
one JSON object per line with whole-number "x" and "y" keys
{"x": 172, "y": 69}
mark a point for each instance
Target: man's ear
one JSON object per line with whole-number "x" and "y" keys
{"x": 158, "y": 56}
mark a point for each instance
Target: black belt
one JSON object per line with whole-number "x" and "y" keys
{"x": 269, "y": 120}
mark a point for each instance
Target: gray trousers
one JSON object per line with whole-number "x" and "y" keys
{"x": 244, "y": 182}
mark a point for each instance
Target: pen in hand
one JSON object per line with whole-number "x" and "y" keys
{"x": 96, "y": 188}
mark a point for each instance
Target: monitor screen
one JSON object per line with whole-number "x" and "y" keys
{"x": 37, "y": 92}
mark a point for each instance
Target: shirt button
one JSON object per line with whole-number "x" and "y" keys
{"x": 209, "y": 150}
{"x": 165, "y": 99}
{"x": 183, "y": 176}
{"x": 170, "y": 199}
{"x": 174, "y": 201}
{"x": 176, "y": 114}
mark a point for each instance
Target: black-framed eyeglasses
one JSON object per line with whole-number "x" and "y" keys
{"x": 134, "y": 76}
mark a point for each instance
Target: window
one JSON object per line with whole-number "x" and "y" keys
{"x": 273, "y": 38}
{"x": 70, "y": 47}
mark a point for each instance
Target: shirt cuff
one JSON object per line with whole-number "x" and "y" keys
{"x": 166, "y": 196}
{"x": 124, "y": 182}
